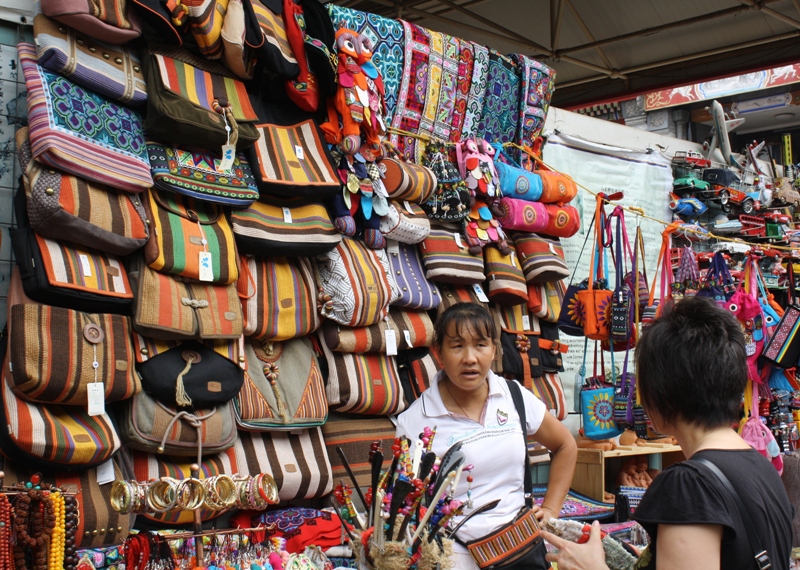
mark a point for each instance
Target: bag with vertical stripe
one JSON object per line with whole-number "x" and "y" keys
{"x": 447, "y": 259}
{"x": 417, "y": 368}
{"x": 542, "y": 258}
{"x": 506, "y": 282}
{"x": 298, "y": 461}
{"x": 283, "y": 387}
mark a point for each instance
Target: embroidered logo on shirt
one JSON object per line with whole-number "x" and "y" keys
{"x": 502, "y": 417}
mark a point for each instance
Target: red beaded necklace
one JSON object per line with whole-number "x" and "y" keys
{"x": 6, "y": 559}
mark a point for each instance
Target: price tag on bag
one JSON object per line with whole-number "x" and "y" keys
{"x": 480, "y": 294}
{"x": 391, "y": 342}
{"x": 206, "y": 267}
{"x": 407, "y": 335}
{"x": 526, "y": 322}
{"x": 86, "y": 265}
{"x": 392, "y": 246}
{"x": 298, "y": 152}
{"x": 228, "y": 156}
{"x": 105, "y": 473}
{"x": 97, "y": 398}
{"x": 287, "y": 215}
{"x": 457, "y": 237}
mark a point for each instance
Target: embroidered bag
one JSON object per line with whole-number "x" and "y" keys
{"x": 516, "y": 182}
{"x": 406, "y": 223}
{"x": 200, "y": 374}
{"x": 596, "y": 299}
{"x": 298, "y": 461}
{"x": 570, "y": 321}
{"x": 563, "y": 220}
{"x": 639, "y": 285}
{"x": 168, "y": 309}
{"x": 450, "y": 199}
{"x": 405, "y": 180}
{"x": 196, "y": 172}
{"x": 412, "y": 329}
{"x": 190, "y": 238}
{"x": 107, "y": 20}
{"x": 290, "y": 228}
{"x": 718, "y": 283}
{"x": 81, "y": 132}
{"x": 283, "y": 388}
{"x": 109, "y": 70}
{"x": 542, "y": 257}
{"x": 597, "y": 405}
{"x": 356, "y": 283}
{"x": 96, "y": 216}
{"x": 416, "y": 292}
{"x": 506, "y": 282}
{"x": 622, "y": 303}
{"x": 279, "y": 297}
{"x": 365, "y": 384}
{"x": 446, "y": 258}
{"x": 522, "y": 215}
{"x": 625, "y": 397}
{"x": 192, "y": 99}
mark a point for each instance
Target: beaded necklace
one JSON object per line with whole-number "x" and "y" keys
{"x": 34, "y": 520}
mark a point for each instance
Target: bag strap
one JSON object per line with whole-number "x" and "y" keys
{"x": 761, "y": 556}
{"x": 519, "y": 403}
{"x": 791, "y": 292}
{"x": 580, "y": 255}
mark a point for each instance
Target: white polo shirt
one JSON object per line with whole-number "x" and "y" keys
{"x": 496, "y": 449}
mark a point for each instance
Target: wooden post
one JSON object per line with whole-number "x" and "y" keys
{"x": 198, "y": 523}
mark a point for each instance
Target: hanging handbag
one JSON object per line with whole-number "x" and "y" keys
{"x": 192, "y": 99}
{"x": 198, "y": 173}
{"x": 95, "y": 216}
{"x": 687, "y": 276}
{"x": 405, "y": 223}
{"x": 718, "y": 283}
{"x": 416, "y": 292}
{"x": 107, "y": 20}
{"x": 81, "y": 132}
{"x": 516, "y": 182}
{"x": 664, "y": 266}
{"x": 279, "y": 297}
{"x": 411, "y": 329}
{"x": 571, "y": 319}
{"x": 109, "y": 70}
{"x": 190, "y": 238}
{"x": 597, "y": 405}
{"x": 548, "y": 389}
{"x": 447, "y": 259}
{"x": 504, "y": 277}
{"x": 542, "y": 257}
{"x": 637, "y": 281}
{"x": 622, "y": 302}
{"x": 450, "y": 199}
{"x": 625, "y": 397}
{"x": 522, "y": 215}
{"x": 596, "y": 299}
{"x": 356, "y": 284}
{"x": 405, "y": 180}
{"x": 563, "y": 220}
{"x": 200, "y": 374}
{"x": 551, "y": 348}
{"x": 354, "y": 434}
{"x": 297, "y": 460}
{"x": 521, "y": 357}
{"x": 545, "y": 300}
{"x": 283, "y": 389}
{"x": 275, "y": 52}
{"x": 290, "y": 228}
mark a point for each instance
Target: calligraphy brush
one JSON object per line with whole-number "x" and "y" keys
{"x": 352, "y": 476}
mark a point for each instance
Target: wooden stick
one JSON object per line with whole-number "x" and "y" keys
{"x": 434, "y": 502}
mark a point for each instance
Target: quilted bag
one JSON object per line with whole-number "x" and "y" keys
{"x": 81, "y": 132}
{"x": 55, "y": 353}
{"x": 190, "y": 238}
{"x": 447, "y": 259}
{"x": 298, "y": 461}
{"x": 168, "y": 309}
{"x": 506, "y": 282}
{"x": 107, "y": 20}
{"x": 356, "y": 283}
{"x": 366, "y": 384}
{"x": 557, "y": 188}
{"x": 288, "y": 228}
{"x": 283, "y": 390}
{"x": 196, "y": 172}
{"x": 412, "y": 329}
{"x": 145, "y": 424}
{"x": 98, "y": 524}
{"x": 563, "y": 220}
{"x": 449, "y": 202}
{"x": 275, "y": 52}
{"x": 416, "y": 292}
{"x": 405, "y": 180}
{"x": 523, "y": 216}
{"x": 192, "y": 99}
{"x": 546, "y": 299}
{"x": 293, "y": 161}
{"x": 279, "y": 297}
{"x": 354, "y": 435}
{"x": 200, "y": 374}
{"x": 92, "y": 215}
{"x": 112, "y": 71}
{"x": 416, "y": 369}
{"x": 516, "y": 182}
{"x": 406, "y": 223}
{"x": 151, "y": 466}
{"x": 542, "y": 258}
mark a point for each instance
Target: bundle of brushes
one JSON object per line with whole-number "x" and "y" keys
{"x": 617, "y": 556}
{"x": 408, "y": 507}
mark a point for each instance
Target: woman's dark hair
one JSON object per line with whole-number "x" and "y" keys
{"x": 691, "y": 364}
{"x": 465, "y": 316}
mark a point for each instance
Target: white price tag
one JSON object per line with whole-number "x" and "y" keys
{"x": 206, "y": 268}
{"x": 392, "y": 246}
{"x": 287, "y": 215}
{"x": 228, "y": 156}
{"x": 86, "y": 265}
{"x": 391, "y": 343}
{"x": 105, "y": 472}
{"x": 513, "y": 258}
{"x": 457, "y": 237}
{"x": 479, "y": 292}
{"x": 407, "y": 334}
{"x": 298, "y": 152}
{"x": 97, "y": 398}
{"x": 408, "y": 207}
{"x": 526, "y": 322}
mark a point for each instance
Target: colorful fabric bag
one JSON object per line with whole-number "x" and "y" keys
{"x": 412, "y": 329}
{"x": 548, "y": 389}
{"x": 551, "y": 349}
{"x": 406, "y": 223}
{"x": 563, "y": 220}
{"x": 107, "y": 20}
{"x": 289, "y": 228}
{"x": 452, "y": 294}
{"x": 538, "y": 84}
{"x": 523, "y": 216}
{"x": 103, "y": 142}
{"x": 405, "y": 180}
{"x": 275, "y": 52}
{"x": 196, "y": 172}
{"x": 356, "y": 283}
{"x": 416, "y": 292}
{"x": 545, "y": 300}
{"x": 596, "y": 298}
{"x": 506, "y": 282}
{"x": 597, "y": 407}
{"x": 416, "y": 369}
{"x": 298, "y": 461}
{"x": 205, "y": 19}
{"x": 279, "y": 297}
{"x": 557, "y": 188}
{"x": 516, "y": 182}
{"x": 500, "y": 116}
{"x": 449, "y": 201}
{"x": 447, "y": 259}
{"x": 111, "y": 71}
{"x": 190, "y": 238}
{"x": 284, "y": 388}
{"x": 542, "y": 258}
{"x": 60, "y": 204}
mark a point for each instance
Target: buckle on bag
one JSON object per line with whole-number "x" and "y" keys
{"x": 762, "y": 559}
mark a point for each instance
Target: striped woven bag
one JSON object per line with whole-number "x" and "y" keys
{"x": 447, "y": 259}
{"x": 412, "y": 329}
{"x": 542, "y": 257}
{"x": 506, "y": 282}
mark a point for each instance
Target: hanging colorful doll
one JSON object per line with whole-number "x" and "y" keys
{"x": 746, "y": 308}
{"x": 355, "y": 129}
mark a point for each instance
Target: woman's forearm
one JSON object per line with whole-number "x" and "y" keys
{"x": 562, "y": 468}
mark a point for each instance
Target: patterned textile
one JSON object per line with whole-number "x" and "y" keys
{"x": 477, "y": 90}
{"x": 413, "y": 88}
{"x": 466, "y": 63}
{"x": 576, "y": 506}
{"x": 434, "y": 88}
{"x": 205, "y": 21}
{"x": 451, "y": 66}
{"x": 538, "y": 84}
{"x": 501, "y": 105}
{"x": 388, "y": 38}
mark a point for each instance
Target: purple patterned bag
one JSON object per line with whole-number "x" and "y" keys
{"x": 406, "y": 266}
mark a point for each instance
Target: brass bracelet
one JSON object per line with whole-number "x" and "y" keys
{"x": 191, "y": 494}
{"x": 162, "y": 495}
{"x": 139, "y": 492}
{"x": 120, "y": 498}
{"x": 268, "y": 488}
{"x": 220, "y": 492}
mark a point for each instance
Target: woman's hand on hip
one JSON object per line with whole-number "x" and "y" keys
{"x": 572, "y": 556}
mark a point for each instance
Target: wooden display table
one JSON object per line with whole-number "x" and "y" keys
{"x": 597, "y": 470}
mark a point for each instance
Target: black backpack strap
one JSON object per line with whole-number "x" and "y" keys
{"x": 761, "y": 556}
{"x": 516, "y": 395}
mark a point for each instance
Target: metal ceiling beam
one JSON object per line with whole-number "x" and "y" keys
{"x": 770, "y": 12}
{"x": 556, "y": 10}
{"x": 796, "y": 4}
{"x": 588, "y": 32}
{"x": 685, "y": 58}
